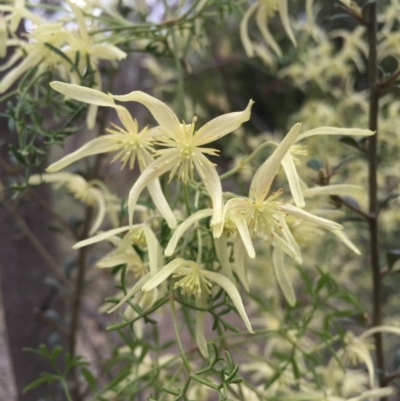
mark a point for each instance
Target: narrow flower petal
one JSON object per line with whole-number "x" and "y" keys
{"x": 244, "y": 34}
{"x": 12, "y": 76}
{"x": 380, "y": 329}
{"x": 310, "y": 17}
{"x": 240, "y": 263}
{"x": 107, "y": 52}
{"x": 152, "y": 248}
{"x": 335, "y": 131}
{"x": 150, "y": 173}
{"x": 346, "y": 240}
{"x": 302, "y": 214}
{"x": 288, "y": 236}
{"x": 210, "y": 178}
{"x": 262, "y": 24}
{"x": 293, "y": 179}
{"x": 101, "y": 237}
{"x": 12, "y": 60}
{"x": 163, "y": 274}
{"x": 244, "y": 233}
{"x": 265, "y": 175}
{"x": 221, "y": 249}
{"x": 284, "y": 14}
{"x": 181, "y": 229}
{"x": 222, "y": 125}
{"x": 233, "y": 294}
{"x": 374, "y": 393}
{"x": 101, "y": 210}
{"x": 82, "y": 94}
{"x": 286, "y": 247}
{"x": 80, "y": 21}
{"x": 338, "y": 189}
{"x": 111, "y": 261}
{"x": 134, "y": 290}
{"x": 161, "y": 203}
{"x": 165, "y": 117}
{"x": 281, "y": 276}
{"x": 94, "y": 147}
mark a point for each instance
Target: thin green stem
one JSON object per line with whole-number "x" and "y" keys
{"x": 177, "y": 335}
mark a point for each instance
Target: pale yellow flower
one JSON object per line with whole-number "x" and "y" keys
{"x": 184, "y": 152}
{"x": 88, "y": 192}
{"x": 128, "y": 141}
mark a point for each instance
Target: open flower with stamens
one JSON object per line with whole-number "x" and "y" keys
{"x": 184, "y": 152}
{"x": 195, "y": 281}
{"x": 88, "y": 192}
{"x": 130, "y": 144}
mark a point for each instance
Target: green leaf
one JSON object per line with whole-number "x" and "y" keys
{"x": 392, "y": 256}
{"x": 314, "y": 164}
{"x": 348, "y": 140}
{"x": 90, "y": 379}
{"x": 384, "y": 202}
{"x": 36, "y": 383}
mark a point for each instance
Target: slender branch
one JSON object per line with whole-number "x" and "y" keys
{"x": 42, "y": 251}
{"x": 372, "y": 30}
{"x": 339, "y": 200}
{"x": 385, "y": 83}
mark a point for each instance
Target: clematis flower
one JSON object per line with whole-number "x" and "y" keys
{"x": 197, "y": 282}
{"x": 80, "y": 42}
{"x": 131, "y": 144}
{"x": 184, "y": 151}
{"x": 90, "y": 193}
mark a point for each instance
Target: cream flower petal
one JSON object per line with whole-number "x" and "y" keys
{"x": 222, "y": 125}
{"x": 80, "y": 20}
{"x": 288, "y": 236}
{"x": 310, "y": 16}
{"x": 152, "y": 248}
{"x": 286, "y": 247}
{"x": 16, "y": 72}
{"x": 107, "y": 52}
{"x": 102, "y": 236}
{"x": 154, "y": 187}
{"x": 380, "y": 329}
{"x": 111, "y": 261}
{"x": 83, "y": 94}
{"x": 134, "y": 290}
{"x": 244, "y": 35}
{"x": 221, "y": 249}
{"x": 293, "y": 179}
{"x": 261, "y": 21}
{"x": 240, "y": 263}
{"x": 165, "y": 117}
{"x": 338, "y": 189}
{"x": 335, "y": 131}
{"x": 181, "y": 229}
{"x": 94, "y": 147}
{"x": 160, "y": 202}
{"x": 302, "y": 214}
{"x": 244, "y": 233}
{"x": 284, "y": 14}
{"x": 346, "y": 240}
{"x": 3, "y": 37}
{"x": 150, "y": 173}
{"x": 281, "y": 276}
{"x": 101, "y": 210}
{"x": 210, "y": 178}
{"x": 374, "y": 393}
{"x": 265, "y": 175}
{"x": 12, "y": 60}
{"x": 233, "y": 294}
{"x": 163, "y": 274}
{"x": 93, "y": 108}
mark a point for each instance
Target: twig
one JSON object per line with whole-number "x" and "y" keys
{"x": 31, "y": 237}
{"x": 372, "y": 29}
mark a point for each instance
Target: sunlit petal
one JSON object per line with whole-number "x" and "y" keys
{"x": 293, "y": 179}
{"x": 222, "y": 125}
{"x": 261, "y": 20}
{"x": 201, "y": 341}
{"x": 163, "y": 274}
{"x": 221, "y": 249}
{"x": 233, "y": 294}
{"x": 284, "y": 14}
{"x": 240, "y": 263}
{"x": 265, "y": 175}
{"x": 338, "y": 189}
{"x": 335, "y": 131}
{"x": 346, "y": 240}
{"x": 102, "y": 236}
{"x": 181, "y": 229}
{"x": 101, "y": 210}
{"x": 244, "y": 35}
